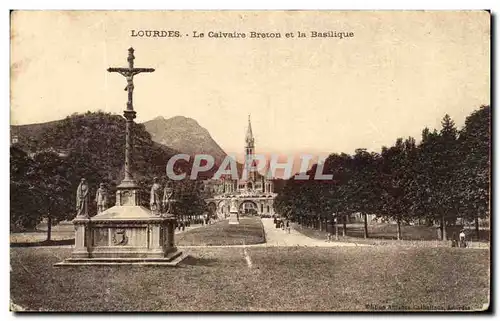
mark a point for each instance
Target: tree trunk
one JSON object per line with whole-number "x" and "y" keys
{"x": 49, "y": 228}
{"x": 344, "y": 227}
{"x": 365, "y": 218}
{"x": 476, "y": 221}
{"x": 336, "y": 222}
{"x": 443, "y": 228}
{"x": 399, "y": 229}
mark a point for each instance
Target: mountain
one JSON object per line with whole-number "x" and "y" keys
{"x": 177, "y": 134}
{"x": 185, "y": 135}
{"x": 32, "y": 129}
{"x": 29, "y": 135}
{"x": 174, "y": 135}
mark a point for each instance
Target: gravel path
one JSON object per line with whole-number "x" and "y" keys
{"x": 276, "y": 237}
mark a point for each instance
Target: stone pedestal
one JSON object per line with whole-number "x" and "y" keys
{"x": 124, "y": 235}
{"x": 234, "y": 218}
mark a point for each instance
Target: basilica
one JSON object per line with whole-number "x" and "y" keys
{"x": 253, "y": 194}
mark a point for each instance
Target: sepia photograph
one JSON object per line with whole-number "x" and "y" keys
{"x": 250, "y": 161}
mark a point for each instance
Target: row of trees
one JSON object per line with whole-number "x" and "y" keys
{"x": 44, "y": 179}
{"x": 444, "y": 177}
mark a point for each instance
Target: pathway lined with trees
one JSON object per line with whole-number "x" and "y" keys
{"x": 278, "y": 237}
{"x": 443, "y": 180}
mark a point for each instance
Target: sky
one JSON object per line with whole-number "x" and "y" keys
{"x": 398, "y": 73}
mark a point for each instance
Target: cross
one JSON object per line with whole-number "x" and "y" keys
{"x": 129, "y": 74}
{"x": 129, "y": 114}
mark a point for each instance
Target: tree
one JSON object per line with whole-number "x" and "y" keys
{"x": 52, "y": 189}
{"x": 397, "y": 178}
{"x": 424, "y": 205}
{"x": 364, "y": 185}
{"x": 189, "y": 201}
{"x": 473, "y": 176}
{"x": 446, "y": 170}
{"x": 438, "y": 163}
{"x": 24, "y": 212}
{"x": 39, "y": 189}
{"x": 339, "y": 195}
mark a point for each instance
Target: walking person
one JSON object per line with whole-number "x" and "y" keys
{"x": 462, "y": 239}
{"x": 454, "y": 241}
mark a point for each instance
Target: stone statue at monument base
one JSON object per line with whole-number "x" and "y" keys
{"x": 82, "y": 199}
{"x": 234, "y": 218}
{"x": 154, "y": 202}
{"x": 168, "y": 199}
{"x": 101, "y": 198}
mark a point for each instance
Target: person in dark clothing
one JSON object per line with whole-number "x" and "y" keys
{"x": 463, "y": 243}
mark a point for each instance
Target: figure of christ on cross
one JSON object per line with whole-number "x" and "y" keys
{"x": 129, "y": 74}
{"x": 129, "y": 113}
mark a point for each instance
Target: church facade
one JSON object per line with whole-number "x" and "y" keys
{"x": 253, "y": 194}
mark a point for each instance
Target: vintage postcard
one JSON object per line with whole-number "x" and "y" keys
{"x": 250, "y": 161}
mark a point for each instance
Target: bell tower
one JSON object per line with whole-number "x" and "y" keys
{"x": 249, "y": 152}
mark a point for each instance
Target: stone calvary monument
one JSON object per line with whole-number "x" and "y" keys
{"x": 126, "y": 233}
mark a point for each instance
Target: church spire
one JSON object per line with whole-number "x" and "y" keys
{"x": 249, "y": 136}
{"x": 249, "y": 152}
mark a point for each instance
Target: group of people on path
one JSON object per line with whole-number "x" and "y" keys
{"x": 461, "y": 240}
{"x": 283, "y": 224}
{"x": 181, "y": 224}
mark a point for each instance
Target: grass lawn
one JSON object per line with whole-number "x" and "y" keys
{"x": 61, "y": 234}
{"x": 385, "y": 234}
{"x": 284, "y": 279}
{"x": 249, "y": 231}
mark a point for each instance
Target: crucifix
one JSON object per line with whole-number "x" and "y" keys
{"x": 129, "y": 113}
